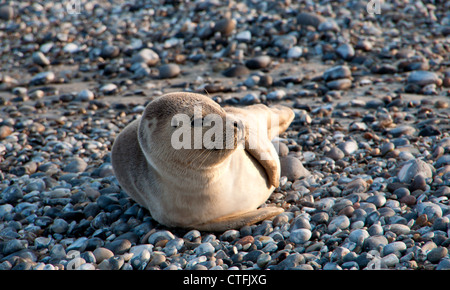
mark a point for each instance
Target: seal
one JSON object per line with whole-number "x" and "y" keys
{"x": 213, "y": 186}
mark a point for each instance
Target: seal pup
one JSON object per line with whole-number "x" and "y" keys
{"x": 208, "y": 188}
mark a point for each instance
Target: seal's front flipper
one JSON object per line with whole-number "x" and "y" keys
{"x": 264, "y": 152}
{"x": 238, "y": 221}
{"x": 261, "y": 124}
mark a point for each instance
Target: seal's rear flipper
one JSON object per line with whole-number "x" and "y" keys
{"x": 279, "y": 119}
{"x": 237, "y": 221}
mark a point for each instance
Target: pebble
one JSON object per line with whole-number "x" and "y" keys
{"x": 402, "y": 130}
{"x": 5, "y": 209}
{"x": 310, "y": 19}
{"x": 285, "y": 41}
{"x": 12, "y": 194}
{"x": 43, "y": 78}
{"x": 147, "y": 56}
{"x": 372, "y": 242}
{"x": 263, "y": 260}
{"x": 348, "y": 147}
{"x": 355, "y": 186}
{"x": 265, "y": 81}
{"x": 85, "y": 95}
{"x": 376, "y": 229}
{"x": 108, "y": 89}
{"x": 413, "y": 168}
{"x": 102, "y": 253}
{"x": 6, "y": 12}
{"x": 244, "y": 36}
{"x": 40, "y": 59}
{"x": 5, "y": 131}
{"x": 340, "y": 222}
{"x": 225, "y": 26}
{"x": 170, "y": 70}
{"x": 140, "y": 260}
{"x": 86, "y": 266}
{"x": 58, "y": 252}
{"x": 160, "y": 235}
{"x": 337, "y": 72}
{"x": 358, "y": 236}
{"x": 398, "y": 229}
{"x": 71, "y": 48}
{"x": 136, "y": 250}
{"x": 79, "y": 245}
{"x": 76, "y": 165}
{"x": 442, "y": 161}
{"x": 59, "y": 226}
{"x": 320, "y": 217}
{"x": 119, "y": 247}
{"x": 441, "y": 223}
{"x": 335, "y": 153}
{"x": 14, "y": 246}
{"x": 394, "y": 248}
{"x": 429, "y": 131}
{"x": 409, "y": 200}
{"x": 390, "y": 260}
{"x": 204, "y": 248}
{"x": 329, "y": 25}
{"x": 115, "y": 262}
{"x": 293, "y": 168}
{"x": 345, "y": 51}
{"x": 236, "y": 71}
{"x": 300, "y": 223}
{"x": 157, "y": 259}
{"x": 276, "y": 95}
{"x": 110, "y": 51}
{"x": 436, "y": 254}
{"x": 338, "y": 254}
{"x": 387, "y": 147}
{"x": 250, "y": 99}
{"x": 377, "y": 200}
{"x": 423, "y": 78}
{"x": 444, "y": 264}
{"x": 430, "y": 209}
{"x": 295, "y": 52}
{"x": 258, "y": 62}
{"x": 418, "y": 183}
{"x": 340, "y": 84}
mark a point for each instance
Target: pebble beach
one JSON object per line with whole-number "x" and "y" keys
{"x": 365, "y": 164}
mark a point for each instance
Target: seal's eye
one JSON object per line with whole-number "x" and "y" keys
{"x": 197, "y": 122}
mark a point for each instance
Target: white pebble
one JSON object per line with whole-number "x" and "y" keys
{"x": 295, "y": 52}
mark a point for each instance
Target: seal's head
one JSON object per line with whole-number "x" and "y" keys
{"x": 187, "y": 128}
